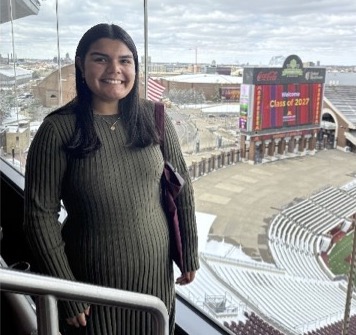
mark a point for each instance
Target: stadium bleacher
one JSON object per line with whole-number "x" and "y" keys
{"x": 256, "y": 297}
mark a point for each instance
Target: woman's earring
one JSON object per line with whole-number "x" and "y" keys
{"x": 83, "y": 80}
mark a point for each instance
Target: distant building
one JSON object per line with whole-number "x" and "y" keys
{"x": 15, "y": 137}
{"x": 214, "y": 86}
{"x": 338, "y": 126}
{"x": 8, "y": 75}
{"x": 48, "y": 92}
{"x": 223, "y": 70}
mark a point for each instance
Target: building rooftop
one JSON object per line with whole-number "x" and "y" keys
{"x": 8, "y": 71}
{"x": 205, "y": 78}
{"x": 343, "y": 99}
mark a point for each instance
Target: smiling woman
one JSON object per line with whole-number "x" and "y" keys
{"x": 108, "y": 69}
{"x": 124, "y": 242}
{"x": 269, "y": 209}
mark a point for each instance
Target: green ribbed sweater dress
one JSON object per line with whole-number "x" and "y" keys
{"x": 115, "y": 233}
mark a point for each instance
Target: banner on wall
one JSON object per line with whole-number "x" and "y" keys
{"x": 230, "y": 93}
{"x": 246, "y": 99}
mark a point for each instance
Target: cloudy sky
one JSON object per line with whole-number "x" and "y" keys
{"x": 225, "y": 31}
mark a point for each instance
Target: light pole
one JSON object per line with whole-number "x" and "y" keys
{"x": 145, "y": 42}
{"x": 59, "y": 64}
{"x": 14, "y": 59}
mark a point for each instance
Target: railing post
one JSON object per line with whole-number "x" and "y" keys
{"x": 47, "y": 315}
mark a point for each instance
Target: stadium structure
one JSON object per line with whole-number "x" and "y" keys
{"x": 297, "y": 294}
{"x": 13, "y": 10}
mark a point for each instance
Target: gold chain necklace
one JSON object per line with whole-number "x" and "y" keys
{"x": 112, "y": 125}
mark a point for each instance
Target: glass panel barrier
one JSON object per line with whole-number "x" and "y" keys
{"x": 271, "y": 157}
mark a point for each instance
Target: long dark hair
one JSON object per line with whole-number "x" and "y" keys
{"x": 136, "y": 113}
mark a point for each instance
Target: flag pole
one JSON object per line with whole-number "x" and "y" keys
{"x": 145, "y": 41}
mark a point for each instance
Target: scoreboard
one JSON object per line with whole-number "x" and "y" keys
{"x": 281, "y": 98}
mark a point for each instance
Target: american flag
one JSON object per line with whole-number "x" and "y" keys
{"x": 154, "y": 90}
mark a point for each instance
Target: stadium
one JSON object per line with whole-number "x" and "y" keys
{"x": 299, "y": 277}
{"x": 283, "y": 283}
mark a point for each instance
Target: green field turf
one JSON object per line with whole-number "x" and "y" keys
{"x": 339, "y": 256}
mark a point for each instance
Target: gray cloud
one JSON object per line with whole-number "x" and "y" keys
{"x": 225, "y": 31}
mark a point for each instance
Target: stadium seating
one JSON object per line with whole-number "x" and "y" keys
{"x": 293, "y": 296}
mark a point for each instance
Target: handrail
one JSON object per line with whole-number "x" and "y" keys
{"x": 50, "y": 288}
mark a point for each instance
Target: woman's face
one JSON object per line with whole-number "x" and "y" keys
{"x": 109, "y": 70}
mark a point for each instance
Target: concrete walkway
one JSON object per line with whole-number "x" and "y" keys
{"x": 245, "y": 198}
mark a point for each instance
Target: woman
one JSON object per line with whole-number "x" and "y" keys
{"x": 100, "y": 156}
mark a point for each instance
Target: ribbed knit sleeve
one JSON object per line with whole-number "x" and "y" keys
{"x": 45, "y": 169}
{"x": 185, "y": 201}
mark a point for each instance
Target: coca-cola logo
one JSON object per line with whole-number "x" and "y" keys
{"x": 267, "y": 76}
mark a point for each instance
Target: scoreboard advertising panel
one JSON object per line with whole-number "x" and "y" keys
{"x": 287, "y": 97}
{"x": 246, "y": 99}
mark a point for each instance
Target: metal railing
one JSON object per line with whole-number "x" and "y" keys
{"x": 49, "y": 289}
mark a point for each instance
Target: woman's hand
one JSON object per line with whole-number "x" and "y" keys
{"x": 186, "y": 278}
{"x": 79, "y": 320}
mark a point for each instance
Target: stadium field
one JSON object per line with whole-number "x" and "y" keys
{"x": 340, "y": 256}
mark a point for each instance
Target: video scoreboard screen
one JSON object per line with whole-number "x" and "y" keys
{"x": 289, "y": 105}
{"x": 286, "y": 97}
